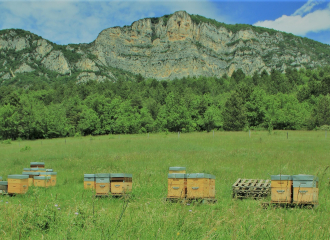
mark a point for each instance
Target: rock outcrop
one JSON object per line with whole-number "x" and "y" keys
{"x": 168, "y": 47}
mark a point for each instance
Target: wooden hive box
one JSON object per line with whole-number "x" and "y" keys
{"x": 129, "y": 182}
{"x": 26, "y": 169}
{"x": 37, "y": 164}
{"x": 176, "y": 185}
{"x": 102, "y": 185}
{"x": 41, "y": 170}
{"x": 212, "y": 186}
{"x": 89, "y": 181}
{"x": 53, "y": 178}
{"x": 177, "y": 170}
{"x": 281, "y": 188}
{"x": 42, "y": 181}
{"x": 198, "y": 185}
{"x": 305, "y": 189}
{"x": 3, "y": 187}
{"x": 18, "y": 184}
{"x": 118, "y": 184}
{"x": 31, "y": 177}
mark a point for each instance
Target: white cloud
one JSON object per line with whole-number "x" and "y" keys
{"x": 77, "y": 21}
{"x": 307, "y": 7}
{"x": 316, "y": 21}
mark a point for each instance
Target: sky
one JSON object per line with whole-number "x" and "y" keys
{"x": 80, "y": 21}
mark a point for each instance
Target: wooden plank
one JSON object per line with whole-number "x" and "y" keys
{"x": 259, "y": 184}
{"x": 235, "y": 184}
{"x": 242, "y": 183}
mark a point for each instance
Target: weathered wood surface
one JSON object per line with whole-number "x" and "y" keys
{"x": 251, "y": 188}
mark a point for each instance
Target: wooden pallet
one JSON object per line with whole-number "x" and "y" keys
{"x": 251, "y": 188}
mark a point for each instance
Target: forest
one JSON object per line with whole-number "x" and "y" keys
{"x": 296, "y": 99}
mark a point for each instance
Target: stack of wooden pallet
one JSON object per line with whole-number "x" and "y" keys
{"x": 192, "y": 186}
{"x": 251, "y": 188}
{"x": 105, "y": 184}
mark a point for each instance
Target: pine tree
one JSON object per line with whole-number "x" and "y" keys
{"x": 234, "y": 114}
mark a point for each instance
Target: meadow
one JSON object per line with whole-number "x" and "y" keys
{"x": 67, "y": 211}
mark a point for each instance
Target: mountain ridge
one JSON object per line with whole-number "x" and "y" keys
{"x": 172, "y": 46}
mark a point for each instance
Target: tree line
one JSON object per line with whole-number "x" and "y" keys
{"x": 275, "y": 100}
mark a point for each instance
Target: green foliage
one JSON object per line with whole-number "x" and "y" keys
{"x": 26, "y": 148}
{"x": 8, "y": 141}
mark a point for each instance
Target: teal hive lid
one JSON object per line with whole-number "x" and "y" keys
{"x": 280, "y": 177}
{"x": 102, "y": 175}
{"x": 304, "y": 184}
{"x": 41, "y": 177}
{"x": 31, "y": 173}
{"x": 49, "y": 170}
{"x": 128, "y": 175}
{"x": 26, "y": 169}
{"x": 177, "y": 168}
{"x": 212, "y": 176}
{"x": 117, "y": 175}
{"x": 37, "y": 163}
{"x": 3, "y": 183}
{"x": 89, "y": 175}
{"x": 303, "y": 177}
{"x": 198, "y": 175}
{"x": 38, "y": 169}
{"x": 176, "y": 175}
{"x": 18, "y": 176}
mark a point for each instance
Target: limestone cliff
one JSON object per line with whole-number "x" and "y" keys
{"x": 172, "y": 46}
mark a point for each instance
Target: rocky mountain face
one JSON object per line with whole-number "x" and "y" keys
{"x": 173, "y": 46}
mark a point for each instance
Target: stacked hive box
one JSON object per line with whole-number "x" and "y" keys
{"x": 31, "y": 177}
{"x": 212, "y": 186}
{"x": 37, "y": 164}
{"x": 177, "y": 185}
{"x": 102, "y": 185}
{"x": 42, "y": 181}
{"x": 305, "y": 189}
{"x": 18, "y": 184}
{"x": 3, "y": 187}
{"x": 121, "y": 183}
{"x": 198, "y": 185}
{"x": 89, "y": 181}
{"x": 281, "y": 189}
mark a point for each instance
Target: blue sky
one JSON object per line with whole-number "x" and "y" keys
{"x": 76, "y": 21}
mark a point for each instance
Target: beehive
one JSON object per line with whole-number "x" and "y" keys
{"x": 89, "y": 181}
{"x": 31, "y": 177}
{"x": 305, "y": 189}
{"x": 117, "y": 182}
{"x": 281, "y": 188}
{"x": 49, "y": 170}
{"x": 177, "y": 170}
{"x": 42, "y": 181}
{"x": 212, "y": 186}
{"x": 176, "y": 185}
{"x": 18, "y": 184}
{"x": 129, "y": 182}
{"x": 26, "y": 169}
{"x": 3, "y": 187}
{"x": 198, "y": 185}
{"x": 53, "y": 178}
{"x": 37, "y": 164}
{"x": 102, "y": 185}
{"x": 37, "y": 170}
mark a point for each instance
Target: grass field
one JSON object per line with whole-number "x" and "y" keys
{"x": 67, "y": 211}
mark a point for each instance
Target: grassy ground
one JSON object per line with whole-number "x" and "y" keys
{"x": 67, "y": 211}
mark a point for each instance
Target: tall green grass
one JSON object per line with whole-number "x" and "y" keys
{"x": 67, "y": 211}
